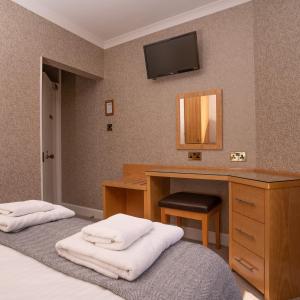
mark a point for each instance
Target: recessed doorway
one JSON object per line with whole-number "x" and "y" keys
{"x": 53, "y": 134}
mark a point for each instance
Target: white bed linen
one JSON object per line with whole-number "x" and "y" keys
{"x": 23, "y": 278}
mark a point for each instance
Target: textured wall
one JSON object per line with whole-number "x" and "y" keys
{"x": 24, "y": 38}
{"x": 84, "y": 150}
{"x": 260, "y": 105}
{"x": 277, "y": 69}
{"x": 144, "y": 122}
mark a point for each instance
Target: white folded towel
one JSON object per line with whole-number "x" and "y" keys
{"x": 12, "y": 224}
{"x": 129, "y": 263}
{"x": 22, "y": 208}
{"x": 117, "y": 232}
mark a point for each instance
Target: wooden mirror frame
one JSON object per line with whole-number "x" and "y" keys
{"x": 219, "y": 121}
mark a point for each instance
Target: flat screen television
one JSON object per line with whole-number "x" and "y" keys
{"x": 171, "y": 56}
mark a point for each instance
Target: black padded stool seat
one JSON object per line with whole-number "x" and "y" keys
{"x": 198, "y": 207}
{"x": 191, "y": 202}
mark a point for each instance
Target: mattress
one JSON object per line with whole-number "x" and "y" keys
{"x": 22, "y": 277}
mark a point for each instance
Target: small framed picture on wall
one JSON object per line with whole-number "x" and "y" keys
{"x": 109, "y": 107}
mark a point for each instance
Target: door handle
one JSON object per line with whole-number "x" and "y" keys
{"x": 47, "y": 156}
{"x": 246, "y": 234}
{"x": 245, "y": 264}
{"x": 51, "y": 156}
{"x": 242, "y": 201}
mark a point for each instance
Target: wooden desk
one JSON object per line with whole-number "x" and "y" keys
{"x": 264, "y": 224}
{"x": 126, "y": 195}
{"x": 264, "y": 218}
{"x": 129, "y": 193}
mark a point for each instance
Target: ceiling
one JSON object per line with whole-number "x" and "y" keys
{"x": 107, "y": 23}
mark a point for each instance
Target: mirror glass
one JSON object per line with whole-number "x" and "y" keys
{"x": 199, "y": 120}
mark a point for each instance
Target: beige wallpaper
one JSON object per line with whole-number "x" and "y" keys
{"x": 144, "y": 122}
{"x": 83, "y": 151}
{"x": 277, "y": 61}
{"x": 24, "y": 38}
{"x": 86, "y": 152}
{"x": 250, "y": 51}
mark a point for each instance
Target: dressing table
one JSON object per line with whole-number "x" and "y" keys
{"x": 264, "y": 206}
{"x": 264, "y": 218}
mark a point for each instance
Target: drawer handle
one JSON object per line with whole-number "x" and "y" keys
{"x": 245, "y": 264}
{"x": 245, "y": 202}
{"x": 249, "y": 236}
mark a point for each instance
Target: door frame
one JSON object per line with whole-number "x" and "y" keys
{"x": 58, "y": 156}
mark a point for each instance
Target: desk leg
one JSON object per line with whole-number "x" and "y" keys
{"x": 146, "y": 205}
{"x": 217, "y": 217}
{"x": 205, "y": 231}
{"x": 114, "y": 201}
{"x": 134, "y": 203}
{"x": 230, "y": 225}
{"x": 104, "y": 202}
{"x": 157, "y": 188}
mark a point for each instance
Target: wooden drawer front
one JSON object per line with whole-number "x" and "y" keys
{"x": 248, "y": 265}
{"x": 249, "y": 233}
{"x": 249, "y": 201}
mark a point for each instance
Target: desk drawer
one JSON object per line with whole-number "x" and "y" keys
{"x": 249, "y": 201}
{"x": 248, "y": 265}
{"x": 248, "y": 233}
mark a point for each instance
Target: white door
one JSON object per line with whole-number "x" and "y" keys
{"x": 49, "y": 94}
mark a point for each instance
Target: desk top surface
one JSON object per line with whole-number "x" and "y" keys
{"x": 250, "y": 175}
{"x": 135, "y": 183}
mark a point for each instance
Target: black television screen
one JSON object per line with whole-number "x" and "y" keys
{"x": 175, "y": 55}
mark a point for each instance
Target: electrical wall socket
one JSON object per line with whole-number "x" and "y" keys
{"x": 109, "y": 127}
{"x": 194, "y": 155}
{"x": 238, "y": 156}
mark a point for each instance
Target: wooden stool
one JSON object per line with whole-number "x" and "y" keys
{"x": 193, "y": 206}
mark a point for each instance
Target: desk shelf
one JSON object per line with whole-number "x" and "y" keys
{"x": 126, "y": 196}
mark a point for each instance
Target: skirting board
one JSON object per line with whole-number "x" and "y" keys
{"x": 86, "y": 212}
{"x": 196, "y": 235}
{"x": 189, "y": 232}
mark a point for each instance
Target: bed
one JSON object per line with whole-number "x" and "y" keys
{"x": 17, "y": 281}
{"x": 31, "y": 264}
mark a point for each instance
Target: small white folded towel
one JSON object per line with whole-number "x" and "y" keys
{"x": 129, "y": 263}
{"x": 117, "y": 232}
{"x": 13, "y": 224}
{"x": 22, "y": 208}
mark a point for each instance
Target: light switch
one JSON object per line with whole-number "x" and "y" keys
{"x": 109, "y": 127}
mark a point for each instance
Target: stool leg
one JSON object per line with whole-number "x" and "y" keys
{"x": 205, "y": 231}
{"x": 217, "y": 228}
{"x": 164, "y": 218}
{"x": 178, "y": 221}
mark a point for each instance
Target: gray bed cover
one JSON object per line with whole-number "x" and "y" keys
{"x": 185, "y": 271}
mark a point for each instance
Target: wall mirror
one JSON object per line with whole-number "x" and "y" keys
{"x": 199, "y": 120}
